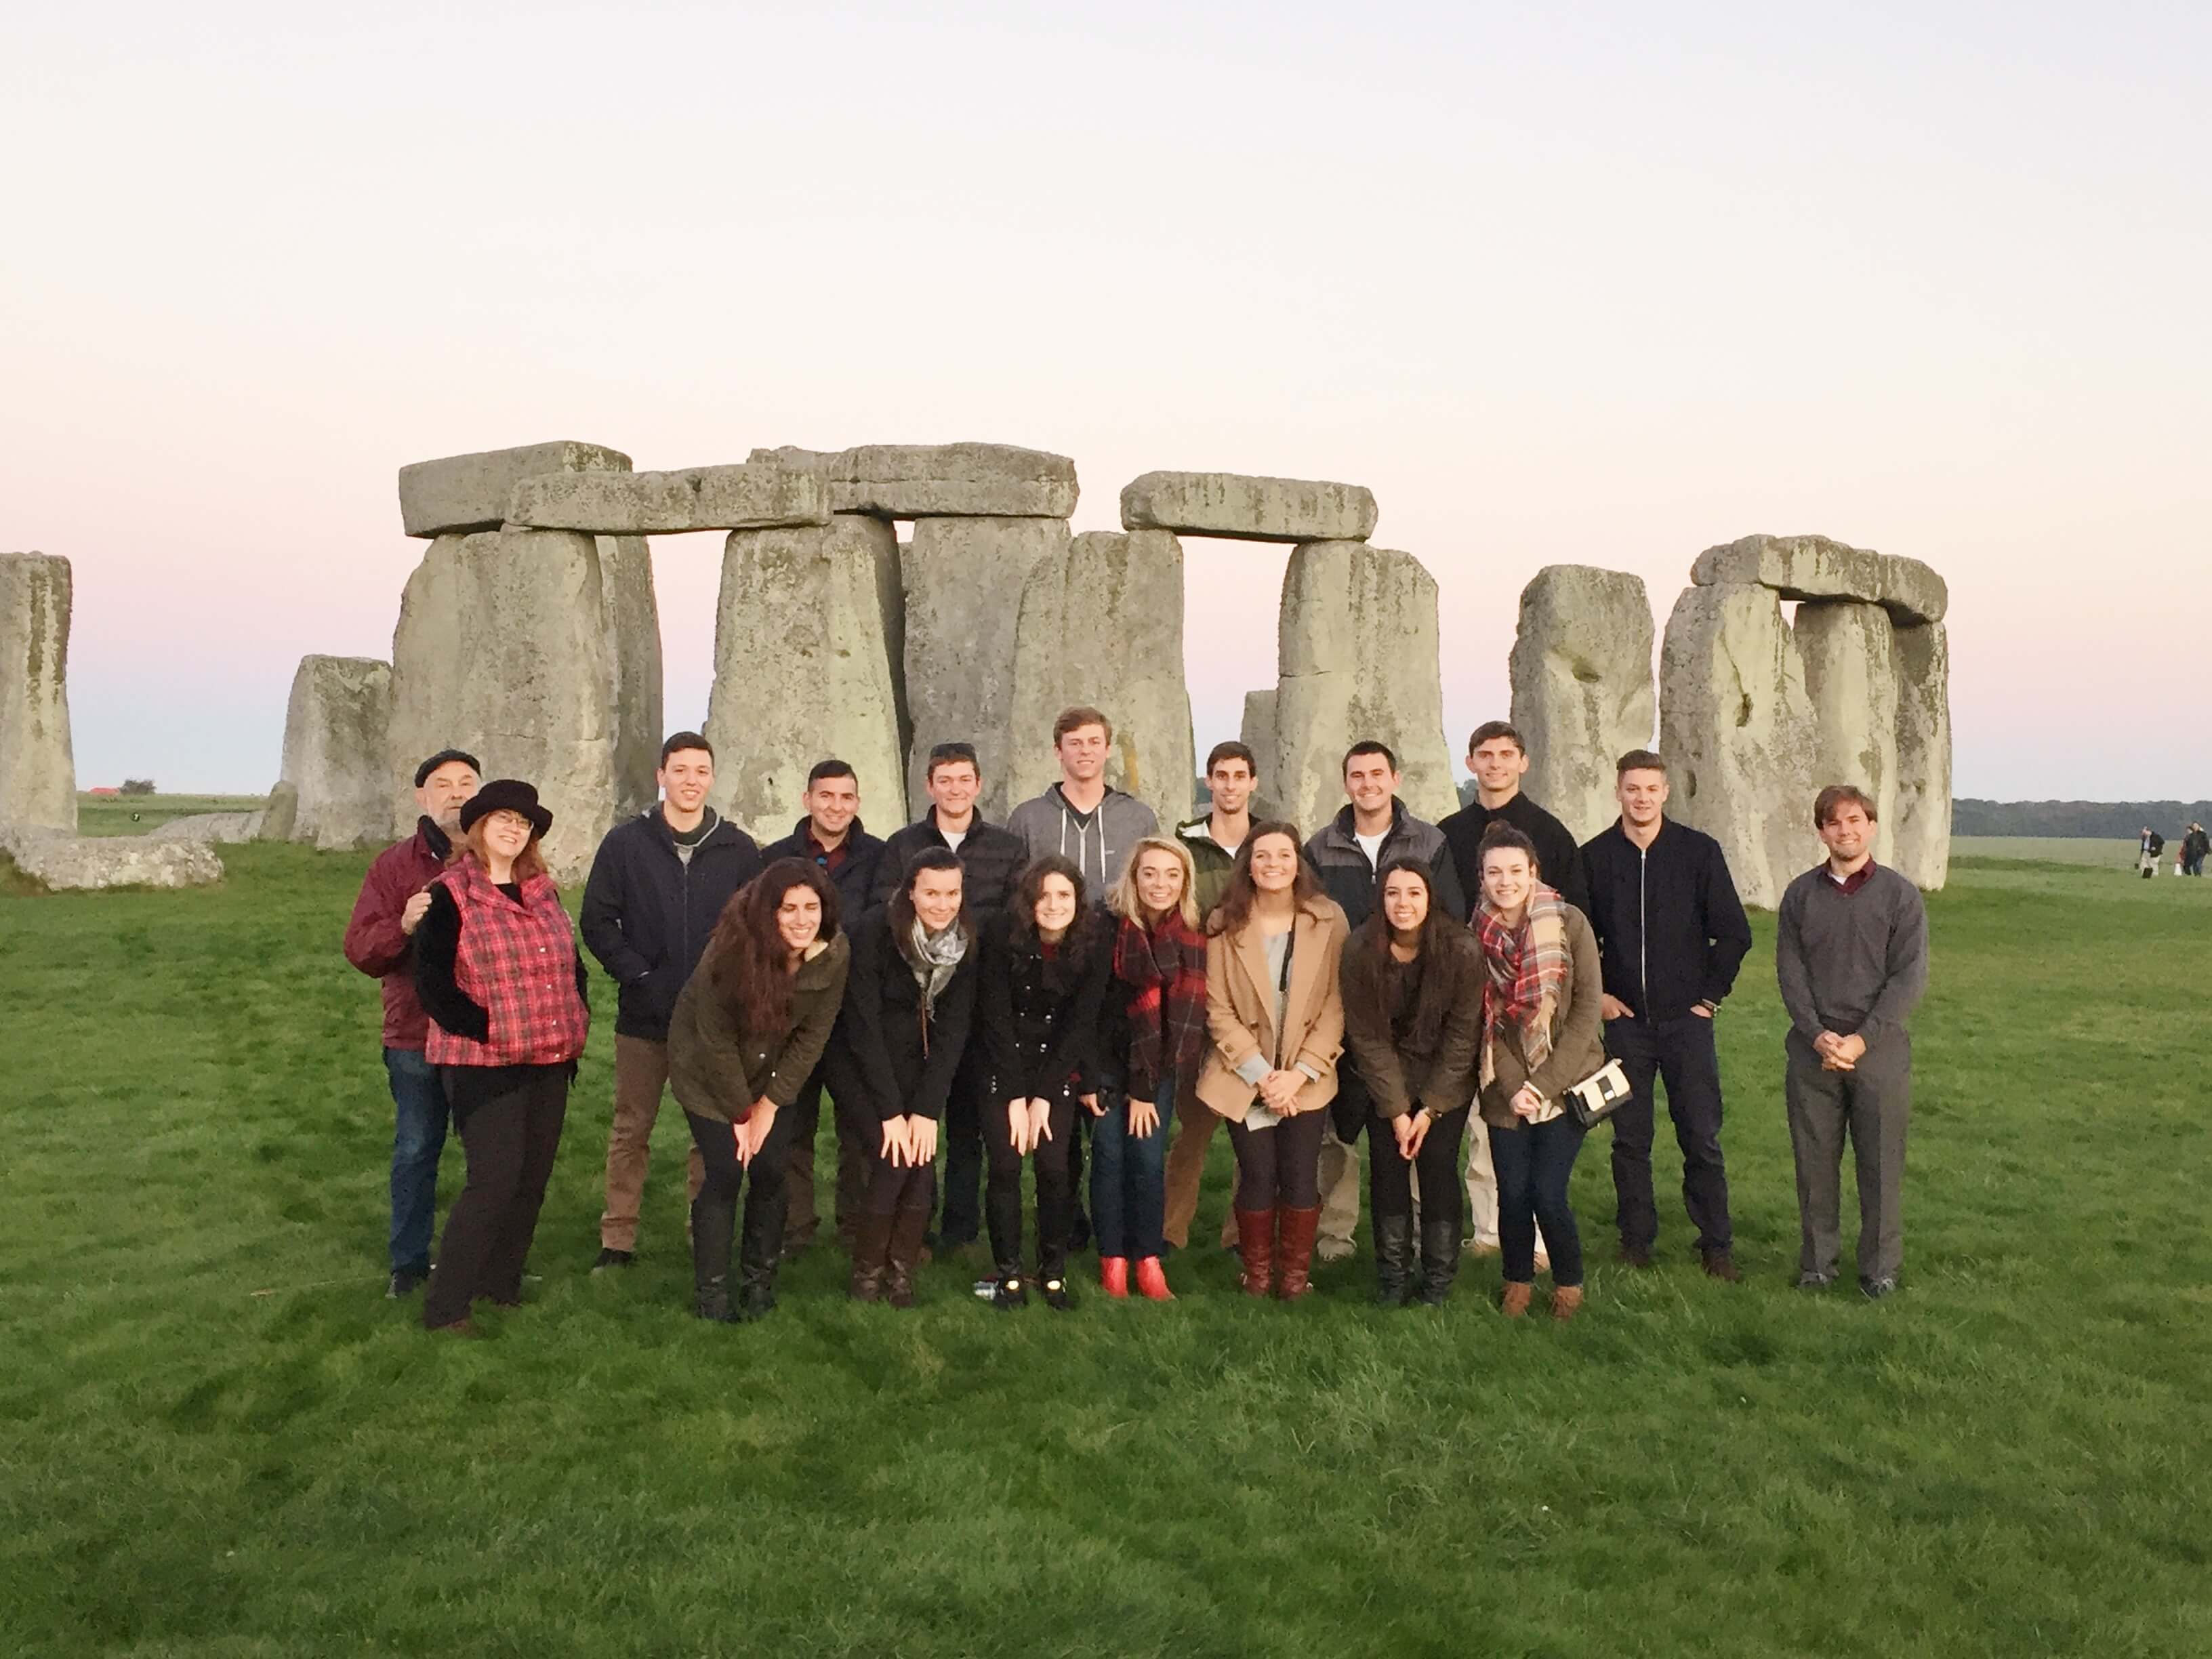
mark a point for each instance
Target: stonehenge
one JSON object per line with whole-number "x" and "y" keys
{"x": 1850, "y": 655}
{"x": 337, "y": 730}
{"x": 68, "y": 863}
{"x": 751, "y": 495}
{"x": 1581, "y": 673}
{"x": 457, "y": 494}
{"x": 38, "y": 771}
{"x": 1920, "y": 845}
{"x": 1248, "y": 508}
{"x": 940, "y": 481}
{"x": 1814, "y": 568}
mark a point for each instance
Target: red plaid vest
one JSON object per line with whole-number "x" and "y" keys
{"x": 520, "y": 961}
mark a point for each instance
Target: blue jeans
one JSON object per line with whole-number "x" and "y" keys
{"x": 1533, "y": 1161}
{"x": 419, "y": 1135}
{"x": 1128, "y": 1178}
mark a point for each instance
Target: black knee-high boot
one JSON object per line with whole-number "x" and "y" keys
{"x": 713, "y": 1225}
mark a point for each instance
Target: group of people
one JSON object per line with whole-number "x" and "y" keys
{"x": 2189, "y": 857}
{"x": 1457, "y": 993}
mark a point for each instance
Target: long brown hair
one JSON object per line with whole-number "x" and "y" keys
{"x": 745, "y": 952}
{"x": 469, "y": 844}
{"x": 1242, "y": 894}
{"x": 1431, "y": 942}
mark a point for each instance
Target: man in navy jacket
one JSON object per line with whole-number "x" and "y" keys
{"x": 1672, "y": 934}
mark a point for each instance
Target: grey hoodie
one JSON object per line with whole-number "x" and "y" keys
{"x": 1099, "y": 848}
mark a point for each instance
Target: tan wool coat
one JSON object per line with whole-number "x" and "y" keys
{"x": 1240, "y": 1010}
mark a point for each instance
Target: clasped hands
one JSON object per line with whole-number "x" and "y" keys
{"x": 1028, "y": 1123}
{"x": 1412, "y": 1130}
{"x": 909, "y": 1141}
{"x": 1279, "y": 1092}
{"x": 755, "y": 1129}
{"x": 1839, "y": 1053}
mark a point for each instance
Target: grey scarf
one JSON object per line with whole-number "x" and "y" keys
{"x": 933, "y": 957}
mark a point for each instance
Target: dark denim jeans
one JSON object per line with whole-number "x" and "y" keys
{"x": 419, "y": 1135}
{"x": 1128, "y": 1178}
{"x": 1534, "y": 1162}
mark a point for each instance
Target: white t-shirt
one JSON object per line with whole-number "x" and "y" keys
{"x": 953, "y": 837}
{"x": 1370, "y": 845}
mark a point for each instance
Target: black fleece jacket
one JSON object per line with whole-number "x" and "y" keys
{"x": 990, "y": 857}
{"x": 1670, "y": 929}
{"x": 1557, "y": 858}
{"x": 647, "y": 912}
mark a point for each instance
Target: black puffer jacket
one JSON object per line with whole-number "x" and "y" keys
{"x": 647, "y": 914}
{"x": 990, "y": 856}
{"x": 1040, "y": 1014}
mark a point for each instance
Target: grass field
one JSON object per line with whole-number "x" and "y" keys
{"x": 2052, "y": 849}
{"x": 134, "y": 815}
{"x": 217, "y": 1438}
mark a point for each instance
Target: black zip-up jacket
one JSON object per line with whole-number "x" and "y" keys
{"x": 1335, "y": 855}
{"x": 646, "y": 914}
{"x": 990, "y": 856}
{"x": 1039, "y": 1016}
{"x": 1670, "y": 929}
{"x": 1558, "y": 860}
{"x": 882, "y": 1058}
{"x": 854, "y": 878}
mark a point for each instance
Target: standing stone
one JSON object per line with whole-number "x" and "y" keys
{"x": 1358, "y": 659}
{"x": 928, "y": 481}
{"x": 503, "y": 649}
{"x": 1248, "y": 508}
{"x": 748, "y": 495}
{"x": 1921, "y": 847}
{"x": 459, "y": 494}
{"x": 338, "y": 738}
{"x": 1816, "y": 568}
{"x": 804, "y": 670}
{"x": 1850, "y": 679}
{"x": 1102, "y": 624}
{"x": 1581, "y": 688}
{"x": 633, "y": 621}
{"x": 1737, "y": 727}
{"x": 283, "y": 811}
{"x": 38, "y": 771}
{"x": 1257, "y": 733}
{"x": 963, "y": 579}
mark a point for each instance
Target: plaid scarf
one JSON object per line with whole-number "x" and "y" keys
{"x": 1528, "y": 967}
{"x": 1163, "y": 971}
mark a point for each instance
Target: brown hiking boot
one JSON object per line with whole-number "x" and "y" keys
{"x": 871, "y": 1243}
{"x": 1513, "y": 1300}
{"x": 1294, "y": 1251}
{"x": 1720, "y": 1265}
{"x": 905, "y": 1255}
{"x": 1255, "y": 1242}
{"x": 1566, "y": 1301}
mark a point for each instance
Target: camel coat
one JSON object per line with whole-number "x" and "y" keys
{"x": 1240, "y": 1010}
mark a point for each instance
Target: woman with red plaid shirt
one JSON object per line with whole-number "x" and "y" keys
{"x": 499, "y": 974}
{"x": 1153, "y": 1042}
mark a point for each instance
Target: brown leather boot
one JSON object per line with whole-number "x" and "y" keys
{"x": 871, "y": 1243}
{"x": 1255, "y": 1242}
{"x": 1566, "y": 1300}
{"x": 1513, "y": 1300}
{"x": 1294, "y": 1250}
{"x": 907, "y": 1228}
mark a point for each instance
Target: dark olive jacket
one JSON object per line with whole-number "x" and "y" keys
{"x": 718, "y": 1068}
{"x": 1431, "y": 1066}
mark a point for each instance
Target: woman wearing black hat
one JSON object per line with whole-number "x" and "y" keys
{"x": 500, "y": 976}
{"x": 746, "y": 1031}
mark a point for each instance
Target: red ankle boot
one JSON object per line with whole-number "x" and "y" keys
{"x": 1152, "y": 1280}
{"x": 1114, "y": 1274}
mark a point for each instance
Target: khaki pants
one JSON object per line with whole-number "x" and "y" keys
{"x": 1339, "y": 1195}
{"x": 1195, "y": 1122}
{"x": 641, "y": 1077}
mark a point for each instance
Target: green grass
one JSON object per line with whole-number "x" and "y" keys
{"x": 2119, "y": 855}
{"x": 134, "y": 815}
{"x": 216, "y": 1439}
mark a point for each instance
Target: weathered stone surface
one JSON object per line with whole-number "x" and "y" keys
{"x": 502, "y": 650}
{"x": 282, "y": 812}
{"x": 632, "y": 617}
{"x": 1236, "y": 505}
{"x": 963, "y": 579}
{"x": 463, "y": 493}
{"x": 64, "y": 863}
{"x": 1357, "y": 654}
{"x": 930, "y": 481}
{"x": 38, "y": 771}
{"x": 205, "y": 829}
{"x": 1581, "y": 688}
{"x": 1921, "y": 848}
{"x": 1814, "y": 568}
{"x": 748, "y": 496}
{"x": 1850, "y": 680}
{"x": 804, "y": 669}
{"x": 1737, "y": 727}
{"x": 338, "y": 730}
{"x": 1102, "y": 624}
{"x": 1257, "y": 733}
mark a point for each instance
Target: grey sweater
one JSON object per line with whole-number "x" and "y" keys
{"x": 1098, "y": 847}
{"x": 1853, "y": 963}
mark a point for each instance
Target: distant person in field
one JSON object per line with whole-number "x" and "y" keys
{"x": 1542, "y": 1034}
{"x": 379, "y": 940}
{"x": 747, "y": 1031}
{"x": 1850, "y": 951}
{"x": 2147, "y": 851}
{"x": 910, "y": 1005}
{"x": 500, "y": 977}
{"x": 2194, "y": 847}
{"x": 1672, "y": 932}
{"x": 1211, "y": 840}
{"x": 831, "y": 838}
{"x": 1498, "y": 755}
{"x": 657, "y": 889}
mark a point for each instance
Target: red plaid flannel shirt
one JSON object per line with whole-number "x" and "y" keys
{"x": 520, "y": 961}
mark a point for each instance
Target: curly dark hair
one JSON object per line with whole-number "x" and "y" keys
{"x": 1021, "y": 908}
{"x": 1239, "y": 897}
{"x": 746, "y": 953}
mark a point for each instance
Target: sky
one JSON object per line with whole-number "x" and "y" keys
{"x": 1583, "y": 283}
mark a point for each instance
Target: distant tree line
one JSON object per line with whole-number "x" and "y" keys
{"x": 2099, "y": 820}
{"x": 137, "y": 787}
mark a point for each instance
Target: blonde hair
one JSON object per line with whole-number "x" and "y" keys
{"x": 1124, "y": 901}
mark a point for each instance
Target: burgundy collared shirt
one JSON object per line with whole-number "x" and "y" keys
{"x": 1859, "y": 877}
{"x": 828, "y": 857}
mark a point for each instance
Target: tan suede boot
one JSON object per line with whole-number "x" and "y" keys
{"x": 1566, "y": 1301}
{"x": 1513, "y": 1301}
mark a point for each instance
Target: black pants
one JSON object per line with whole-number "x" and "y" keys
{"x": 765, "y": 1204}
{"x": 1280, "y": 1166}
{"x": 511, "y": 1139}
{"x": 1055, "y": 1189}
{"x": 1680, "y": 1052}
{"x": 883, "y": 1187}
{"x": 1534, "y": 1162}
{"x": 1390, "y": 1178}
{"x": 964, "y": 1150}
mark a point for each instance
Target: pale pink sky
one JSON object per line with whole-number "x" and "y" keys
{"x": 1605, "y": 288}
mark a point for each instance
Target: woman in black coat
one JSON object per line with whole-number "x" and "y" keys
{"x": 909, "y": 1002}
{"x": 1046, "y": 961}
